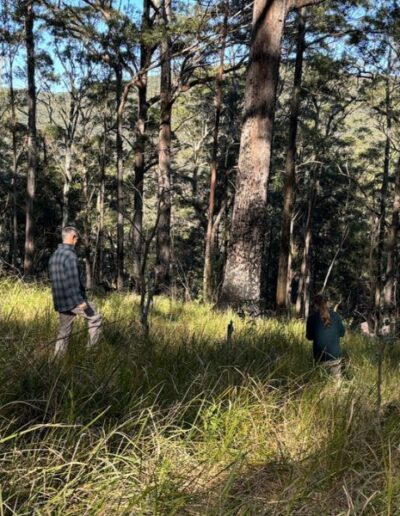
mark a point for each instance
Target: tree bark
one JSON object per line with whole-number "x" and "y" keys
{"x": 31, "y": 140}
{"x": 120, "y": 180}
{"x": 163, "y": 241}
{"x": 209, "y": 247}
{"x": 302, "y": 301}
{"x": 290, "y": 170}
{"x": 242, "y": 279}
{"x": 14, "y": 213}
{"x": 86, "y": 231}
{"x": 389, "y": 289}
{"x": 140, "y": 147}
{"x": 382, "y": 200}
{"x": 67, "y": 184}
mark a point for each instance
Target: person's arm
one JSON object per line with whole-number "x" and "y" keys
{"x": 72, "y": 281}
{"x": 309, "y": 329}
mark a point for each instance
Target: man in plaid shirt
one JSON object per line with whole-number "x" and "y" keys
{"x": 68, "y": 290}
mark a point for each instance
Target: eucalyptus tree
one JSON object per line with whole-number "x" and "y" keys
{"x": 28, "y": 12}
{"x": 242, "y": 278}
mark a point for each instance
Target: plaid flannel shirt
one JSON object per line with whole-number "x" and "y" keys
{"x": 66, "y": 279}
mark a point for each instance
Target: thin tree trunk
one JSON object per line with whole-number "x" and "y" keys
{"x": 290, "y": 170}
{"x": 69, "y": 142}
{"x": 290, "y": 261}
{"x": 303, "y": 290}
{"x": 98, "y": 265}
{"x": 86, "y": 231}
{"x": 209, "y": 248}
{"x": 140, "y": 147}
{"x": 389, "y": 290}
{"x": 120, "y": 182}
{"x": 163, "y": 242}
{"x": 14, "y": 222}
{"x": 383, "y": 194}
{"x": 242, "y": 279}
{"x": 31, "y": 143}
{"x": 67, "y": 184}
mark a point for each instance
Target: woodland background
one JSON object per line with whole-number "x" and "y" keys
{"x": 125, "y": 119}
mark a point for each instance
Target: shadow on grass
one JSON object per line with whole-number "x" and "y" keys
{"x": 127, "y": 370}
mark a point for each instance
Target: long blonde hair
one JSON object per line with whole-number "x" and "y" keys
{"x": 321, "y": 303}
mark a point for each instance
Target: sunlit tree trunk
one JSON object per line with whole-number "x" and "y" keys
{"x": 140, "y": 147}
{"x": 67, "y": 184}
{"x": 290, "y": 171}
{"x": 163, "y": 241}
{"x": 210, "y": 234}
{"x": 242, "y": 278}
{"x": 302, "y": 301}
{"x": 120, "y": 181}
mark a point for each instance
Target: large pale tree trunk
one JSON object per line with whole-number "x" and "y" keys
{"x": 210, "y": 235}
{"x": 120, "y": 181}
{"x": 242, "y": 278}
{"x": 163, "y": 241}
{"x": 31, "y": 143}
{"x": 290, "y": 171}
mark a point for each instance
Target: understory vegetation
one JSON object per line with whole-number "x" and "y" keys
{"x": 184, "y": 422}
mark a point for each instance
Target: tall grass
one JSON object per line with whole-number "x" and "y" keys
{"x": 180, "y": 423}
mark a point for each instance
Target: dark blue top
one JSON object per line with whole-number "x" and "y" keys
{"x": 66, "y": 279}
{"x": 326, "y": 339}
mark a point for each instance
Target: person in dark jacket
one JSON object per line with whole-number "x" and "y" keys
{"x": 69, "y": 295}
{"x": 324, "y": 329}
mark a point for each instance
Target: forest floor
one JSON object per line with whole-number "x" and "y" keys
{"x": 182, "y": 423}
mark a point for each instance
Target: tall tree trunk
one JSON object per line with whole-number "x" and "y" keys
{"x": 242, "y": 278}
{"x": 86, "y": 231}
{"x": 14, "y": 213}
{"x": 69, "y": 142}
{"x": 290, "y": 170}
{"x": 120, "y": 181}
{"x": 140, "y": 147}
{"x": 99, "y": 249}
{"x": 67, "y": 184}
{"x": 209, "y": 248}
{"x": 383, "y": 198}
{"x": 302, "y": 301}
{"x": 163, "y": 242}
{"x": 31, "y": 143}
{"x": 292, "y": 247}
{"x": 389, "y": 289}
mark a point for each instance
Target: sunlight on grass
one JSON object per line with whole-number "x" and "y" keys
{"x": 179, "y": 422}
